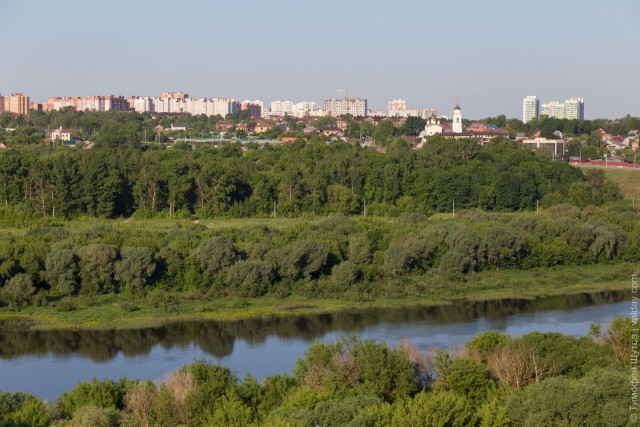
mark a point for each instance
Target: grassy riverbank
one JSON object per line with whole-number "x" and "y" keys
{"x": 119, "y": 311}
{"x": 628, "y": 180}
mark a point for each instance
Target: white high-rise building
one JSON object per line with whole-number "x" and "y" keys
{"x": 553, "y": 109}
{"x": 398, "y": 108}
{"x": 456, "y": 126}
{"x": 305, "y": 108}
{"x": 574, "y": 109}
{"x": 224, "y": 106}
{"x": 357, "y": 107}
{"x": 282, "y": 108}
{"x": 530, "y": 108}
{"x": 198, "y": 106}
{"x": 142, "y": 104}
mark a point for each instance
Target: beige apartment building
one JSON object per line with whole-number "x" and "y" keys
{"x": 16, "y": 103}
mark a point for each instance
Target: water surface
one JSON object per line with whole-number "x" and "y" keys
{"x": 46, "y": 363}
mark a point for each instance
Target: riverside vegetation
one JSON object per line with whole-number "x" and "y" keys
{"x": 130, "y": 231}
{"x": 73, "y": 271}
{"x": 66, "y": 248}
{"x": 540, "y": 379}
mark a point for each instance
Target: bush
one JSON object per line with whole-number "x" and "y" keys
{"x": 94, "y": 416}
{"x": 19, "y": 290}
{"x": 66, "y": 305}
{"x": 103, "y": 394}
{"x": 62, "y": 270}
{"x": 599, "y": 399}
{"x": 97, "y": 264}
{"x": 345, "y": 274}
{"x": 455, "y": 265}
{"x": 250, "y": 278}
{"x": 135, "y": 267}
{"x": 303, "y": 260}
{"x": 215, "y": 254}
{"x": 397, "y": 260}
{"x": 352, "y": 367}
{"x": 163, "y": 300}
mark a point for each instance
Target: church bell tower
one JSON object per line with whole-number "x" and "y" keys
{"x": 457, "y": 117}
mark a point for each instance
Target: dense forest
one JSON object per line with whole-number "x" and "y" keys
{"x": 540, "y": 379}
{"x": 115, "y": 179}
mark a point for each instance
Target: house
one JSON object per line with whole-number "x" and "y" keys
{"x": 555, "y": 146}
{"x": 224, "y": 125}
{"x": 178, "y": 126}
{"x": 64, "y": 135}
{"x": 246, "y": 127}
{"x": 310, "y": 129}
{"x": 4, "y": 147}
{"x": 331, "y": 131}
{"x": 263, "y": 127}
{"x": 605, "y": 133}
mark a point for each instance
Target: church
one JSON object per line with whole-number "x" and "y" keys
{"x": 456, "y": 131}
{"x": 433, "y": 125}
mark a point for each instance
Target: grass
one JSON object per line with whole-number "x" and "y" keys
{"x": 627, "y": 179}
{"x": 126, "y": 311}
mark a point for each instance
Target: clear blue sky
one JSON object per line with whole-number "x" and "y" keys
{"x": 493, "y": 52}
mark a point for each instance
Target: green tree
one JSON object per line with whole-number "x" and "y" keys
{"x": 97, "y": 267}
{"x": 304, "y": 260}
{"x": 341, "y": 199}
{"x": 62, "y": 270}
{"x": 135, "y": 267}
{"x": 18, "y": 291}
{"x": 414, "y": 125}
{"x": 216, "y": 254}
{"x": 250, "y": 278}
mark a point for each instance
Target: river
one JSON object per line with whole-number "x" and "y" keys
{"x": 47, "y": 363}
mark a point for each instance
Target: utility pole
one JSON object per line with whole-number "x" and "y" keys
{"x": 454, "y": 209}
{"x": 365, "y": 208}
{"x": 275, "y": 208}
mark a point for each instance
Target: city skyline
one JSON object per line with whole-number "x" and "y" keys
{"x": 424, "y": 52}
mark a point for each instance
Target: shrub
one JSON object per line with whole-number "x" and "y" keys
{"x": 250, "y": 278}
{"x": 18, "y": 291}
{"x": 455, "y": 265}
{"x": 163, "y": 300}
{"x": 397, "y": 260}
{"x": 345, "y": 274}
{"x": 97, "y": 264}
{"x": 135, "y": 267}
{"x": 103, "y": 394}
{"x": 215, "y": 254}
{"x": 94, "y": 416}
{"x": 62, "y": 270}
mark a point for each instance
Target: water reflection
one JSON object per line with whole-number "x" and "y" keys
{"x": 218, "y": 338}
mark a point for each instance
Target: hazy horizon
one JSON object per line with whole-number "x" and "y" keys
{"x": 493, "y": 53}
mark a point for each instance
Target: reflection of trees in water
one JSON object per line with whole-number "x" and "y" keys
{"x": 217, "y": 338}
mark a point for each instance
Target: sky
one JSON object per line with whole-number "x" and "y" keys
{"x": 492, "y": 52}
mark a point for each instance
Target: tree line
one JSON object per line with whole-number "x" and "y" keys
{"x": 119, "y": 179}
{"x": 495, "y": 380}
{"x": 338, "y": 255}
